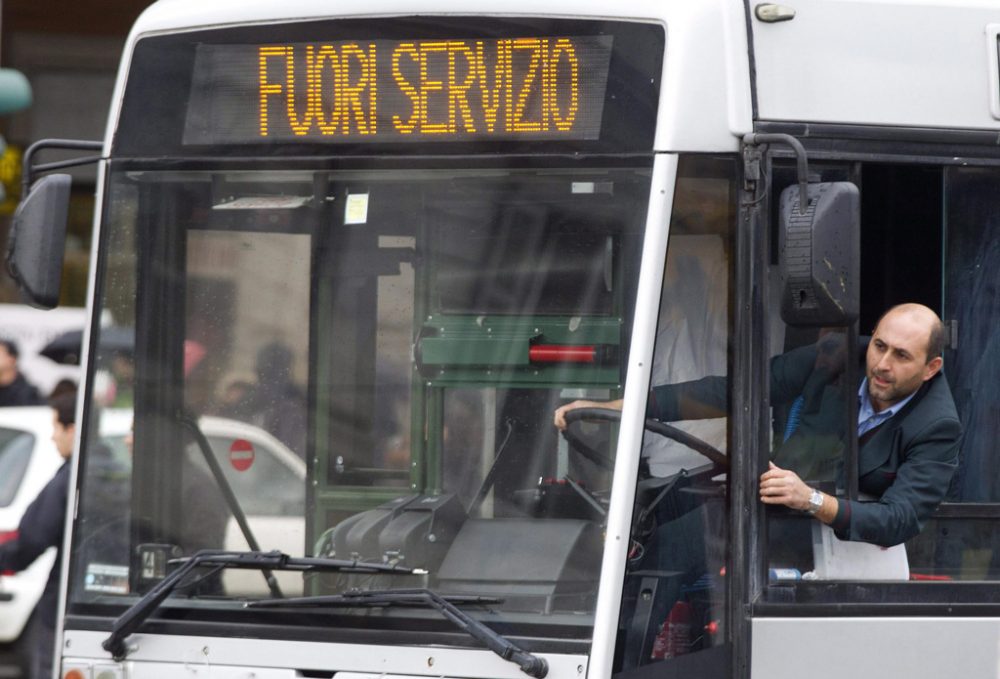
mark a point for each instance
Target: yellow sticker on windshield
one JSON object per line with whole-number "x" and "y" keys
{"x": 356, "y": 211}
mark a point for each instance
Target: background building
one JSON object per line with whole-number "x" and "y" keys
{"x": 69, "y": 51}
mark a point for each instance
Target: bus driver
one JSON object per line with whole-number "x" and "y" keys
{"x": 908, "y": 428}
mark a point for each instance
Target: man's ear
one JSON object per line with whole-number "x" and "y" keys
{"x": 933, "y": 367}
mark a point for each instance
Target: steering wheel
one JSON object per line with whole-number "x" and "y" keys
{"x": 655, "y": 426}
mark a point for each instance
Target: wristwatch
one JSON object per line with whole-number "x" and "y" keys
{"x": 815, "y": 502}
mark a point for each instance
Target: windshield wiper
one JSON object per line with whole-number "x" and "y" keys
{"x": 530, "y": 664}
{"x": 130, "y": 620}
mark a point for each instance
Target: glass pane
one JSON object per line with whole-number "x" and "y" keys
{"x": 675, "y": 587}
{"x": 15, "y": 454}
{"x": 369, "y": 361}
{"x": 809, "y": 407}
{"x": 104, "y": 516}
{"x": 972, "y": 305}
{"x": 955, "y": 549}
{"x": 967, "y": 548}
{"x": 246, "y": 339}
{"x": 809, "y": 394}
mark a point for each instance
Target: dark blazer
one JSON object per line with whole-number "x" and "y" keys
{"x": 41, "y": 527}
{"x": 907, "y": 464}
{"x": 20, "y": 393}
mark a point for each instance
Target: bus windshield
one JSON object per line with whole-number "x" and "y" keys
{"x": 358, "y": 364}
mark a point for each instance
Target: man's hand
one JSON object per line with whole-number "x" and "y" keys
{"x": 559, "y": 417}
{"x": 784, "y": 487}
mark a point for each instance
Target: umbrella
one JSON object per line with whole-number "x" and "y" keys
{"x": 67, "y": 347}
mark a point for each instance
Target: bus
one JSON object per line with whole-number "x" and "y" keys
{"x": 396, "y": 237}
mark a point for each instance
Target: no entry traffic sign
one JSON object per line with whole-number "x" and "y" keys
{"x": 241, "y": 455}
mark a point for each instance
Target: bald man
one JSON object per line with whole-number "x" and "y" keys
{"x": 908, "y": 433}
{"x": 908, "y": 428}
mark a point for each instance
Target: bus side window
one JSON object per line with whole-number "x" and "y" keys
{"x": 940, "y": 226}
{"x": 957, "y": 545}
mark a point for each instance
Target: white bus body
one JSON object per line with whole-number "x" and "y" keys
{"x": 347, "y": 296}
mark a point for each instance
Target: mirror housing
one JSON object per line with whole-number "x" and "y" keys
{"x": 38, "y": 240}
{"x": 820, "y": 255}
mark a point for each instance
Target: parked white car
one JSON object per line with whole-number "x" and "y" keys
{"x": 28, "y": 459}
{"x": 270, "y": 489}
{"x": 267, "y": 478}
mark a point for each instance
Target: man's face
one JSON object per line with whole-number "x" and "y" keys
{"x": 897, "y": 358}
{"x": 7, "y": 362}
{"x": 62, "y": 436}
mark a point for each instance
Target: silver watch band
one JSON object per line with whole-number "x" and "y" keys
{"x": 815, "y": 502}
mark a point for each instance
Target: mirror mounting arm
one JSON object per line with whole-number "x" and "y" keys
{"x": 802, "y": 165}
{"x": 29, "y": 171}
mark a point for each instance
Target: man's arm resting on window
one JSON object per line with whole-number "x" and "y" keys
{"x": 920, "y": 485}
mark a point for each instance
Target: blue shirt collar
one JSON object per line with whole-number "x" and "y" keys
{"x": 866, "y": 411}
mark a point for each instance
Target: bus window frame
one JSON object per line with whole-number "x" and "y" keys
{"x": 858, "y": 146}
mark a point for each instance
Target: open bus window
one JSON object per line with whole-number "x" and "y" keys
{"x": 910, "y": 210}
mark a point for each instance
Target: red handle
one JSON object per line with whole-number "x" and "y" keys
{"x": 552, "y": 353}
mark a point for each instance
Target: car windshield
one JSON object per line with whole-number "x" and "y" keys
{"x": 15, "y": 454}
{"x": 371, "y": 359}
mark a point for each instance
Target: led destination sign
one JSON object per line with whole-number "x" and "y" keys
{"x": 542, "y": 88}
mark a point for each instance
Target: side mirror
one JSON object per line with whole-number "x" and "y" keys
{"x": 820, "y": 254}
{"x": 38, "y": 241}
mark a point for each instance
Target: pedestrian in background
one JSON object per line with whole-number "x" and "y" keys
{"x": 42, "y": 526}
{"x": 14, "y": 389}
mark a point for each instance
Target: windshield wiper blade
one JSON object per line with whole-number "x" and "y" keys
{"x": 530, "y": 664}
{"x": 130, "y": 620}
{"x": 375, "y": 598}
